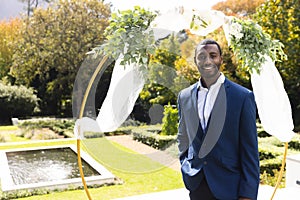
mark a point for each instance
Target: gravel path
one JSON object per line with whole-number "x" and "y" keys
{"x": 156, "y": 155}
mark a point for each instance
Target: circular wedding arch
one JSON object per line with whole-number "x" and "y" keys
{"x": 233, "y": 29}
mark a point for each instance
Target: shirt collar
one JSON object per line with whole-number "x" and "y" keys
{"x": 219, "y": 81}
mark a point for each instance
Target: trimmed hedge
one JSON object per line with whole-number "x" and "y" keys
{"x": 150, "y": 135}
{"x": 270, "y": 165}
{"x": 271, "y": 154}
{"x": 63, "y": 127}
{"x": 295, "y": 142}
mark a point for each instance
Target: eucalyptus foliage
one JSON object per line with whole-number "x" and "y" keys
{"x": 129, "y": 35}
{"x": 251, "y": 44}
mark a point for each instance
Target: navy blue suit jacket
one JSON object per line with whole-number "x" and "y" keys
{"x": 228, "y": 154}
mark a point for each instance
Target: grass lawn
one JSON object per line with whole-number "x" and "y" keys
{"x": 8, "y": 128}
{"x": 8, "y": 133}
{"x": 139, "y": 173}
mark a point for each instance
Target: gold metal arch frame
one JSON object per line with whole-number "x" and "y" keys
{"x": 87, "y": 91}
{"x": 286, "y": 144}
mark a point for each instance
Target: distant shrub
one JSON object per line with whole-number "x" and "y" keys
{"x": 270, "y": 165}
{"x": 295, "y": 142}
{"x": 16, "y": 101}
{"x": 266, "y": 155}
{"x": 131, "y": 122}
{"x": 93, "y": 134}
{"x": 150, "y": 135}
{"x": 170, "y": 121}
{"x": 63, "y": 127}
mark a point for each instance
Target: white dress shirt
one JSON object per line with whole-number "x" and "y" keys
{"x": 207, "y": 98}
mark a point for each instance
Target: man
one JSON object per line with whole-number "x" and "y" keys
{"x": 217, "y": 134}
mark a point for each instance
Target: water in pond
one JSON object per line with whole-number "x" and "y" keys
{"x": 44, "y": 165}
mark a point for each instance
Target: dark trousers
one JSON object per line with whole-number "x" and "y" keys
{"x": 202, "y": 192}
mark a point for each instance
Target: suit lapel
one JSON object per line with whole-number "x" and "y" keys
{"x": 216, "y": 123}
{"x": 194, "y": 114}
{"x": 194, "y": 99}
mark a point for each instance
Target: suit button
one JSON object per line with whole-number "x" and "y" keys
{"x": 205, "y": 163}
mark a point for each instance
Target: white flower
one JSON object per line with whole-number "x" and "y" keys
{"x": 235, "y": 29}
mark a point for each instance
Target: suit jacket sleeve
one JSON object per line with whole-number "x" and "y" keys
{"x": 249, "y": 156}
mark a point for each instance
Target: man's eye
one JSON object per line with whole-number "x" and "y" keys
{"x": 201, "y": 57}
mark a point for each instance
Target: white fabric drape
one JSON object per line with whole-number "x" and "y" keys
{"x": 272, "y": 102}
{"x": 126, "y": 84}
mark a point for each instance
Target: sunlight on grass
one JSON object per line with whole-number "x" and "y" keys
{"x": 14, "y": 138}
{"x": 138, "y": 173}
{"x": 119, "y": 158}
{"x": 8, "y": 128}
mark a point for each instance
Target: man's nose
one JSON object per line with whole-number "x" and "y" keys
{"x": 207, "y": 61}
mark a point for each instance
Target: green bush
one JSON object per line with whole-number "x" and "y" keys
{"x": 150, "y": 136}
{"x": 16, "y": 101}
{"x": 126, "y": 130}
{"x": 270, "y": 165}
{"x": 268, "y": 179}
{"x": 170, "y": 121}
{"x": 93, "y": 134}
{"x": 295, "y": 142}
{"x": 263, "y": 155}
{"x": 63, "y": 127}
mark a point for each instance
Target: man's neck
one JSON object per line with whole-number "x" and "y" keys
{"x": 209, "y": 82}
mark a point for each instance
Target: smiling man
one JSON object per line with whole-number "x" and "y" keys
{"x": 217, "y": 135}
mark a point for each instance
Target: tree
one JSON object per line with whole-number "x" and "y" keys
{"x": 281, "y": 19}
{"x": 162, "y": 73}
{"x": 8, "y": 34}
{"x": 33, "y": 4}
{"x": 238, "y": 7}
{"x": 53, "y": 45}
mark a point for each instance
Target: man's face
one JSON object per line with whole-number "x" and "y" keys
{"x": 208, "y": 60}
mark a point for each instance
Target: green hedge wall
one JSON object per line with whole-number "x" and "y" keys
{"x": 150, "y": 135}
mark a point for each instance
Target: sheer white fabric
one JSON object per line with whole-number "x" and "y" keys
{"x": 272, "y": 102}
{"x": 179, "y": 19}
{"x": 126, "y": 84}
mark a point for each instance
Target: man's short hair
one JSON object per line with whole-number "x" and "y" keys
{"x": 209, "y": 41}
